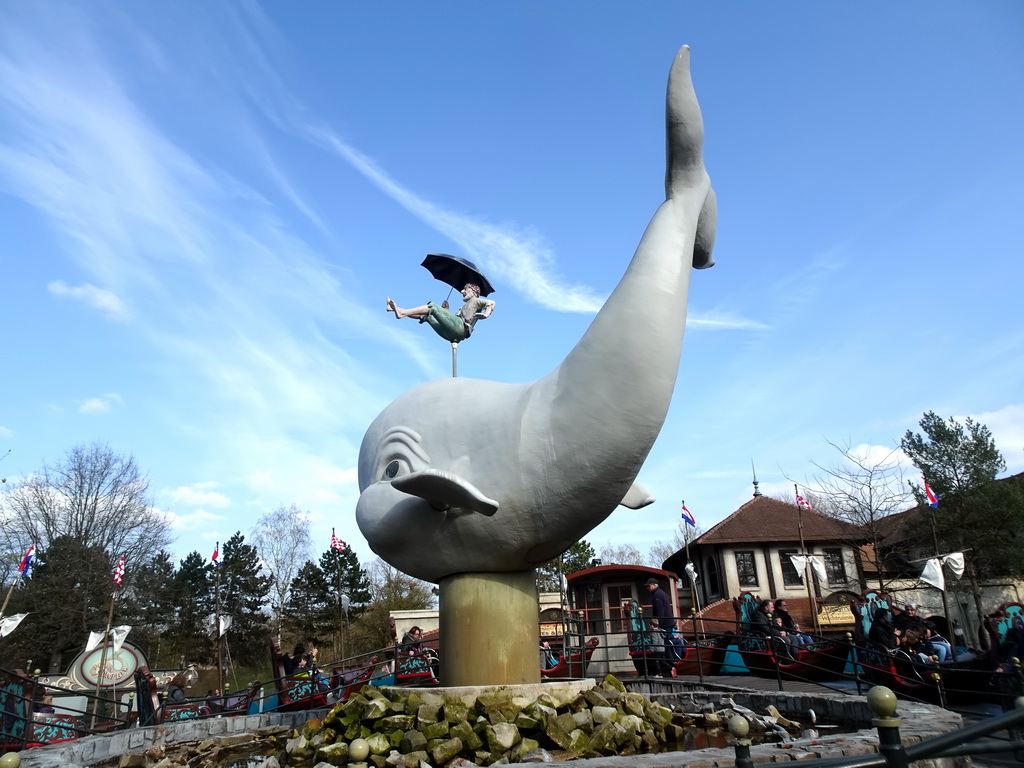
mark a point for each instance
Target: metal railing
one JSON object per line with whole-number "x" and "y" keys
{"x": 972, "y": 740}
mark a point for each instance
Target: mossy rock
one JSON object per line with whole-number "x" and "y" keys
{"x": 372, "y": 692}
{"x": 465, "y": 733}
{"x": 520, "y": 749}
{"x": 584, "y": 719}
{"x": 396, "y": 723}
{"x": 413, "y": 759}
{"x": 501, "y": 737}
{"x": 446, "y": 750}
{"x": 335, "y": 754}
{"x": 412, "y": 741}
{"x": 526, "y": 723}
{"x": 428, "y": 713}
{"x": 455, "y": 710}
{"x": 578, "y": 741}
{"x": 379, "y": 744}
{"x": 435, "y": 730}
{"x": 374, "y": 709}
{"x": 558, "y": 735}
{"x": 595, "y": 698}
{"x": 603, "y": 740}
{"x": 614, "y": 683}
{"x": 634, "y": 704}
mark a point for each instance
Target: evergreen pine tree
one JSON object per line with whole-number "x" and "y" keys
{"x": 243, "y": 597}
{"x": 191, "y": 609}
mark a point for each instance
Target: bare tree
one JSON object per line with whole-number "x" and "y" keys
{"x": 684, "y": 534}
{"x": 390, "y": 590}
{"x": 283, "y": 541}
{"x": 96, "y": 496}
{"x": 621, "y": 554}
{"x": 863, "y": 488}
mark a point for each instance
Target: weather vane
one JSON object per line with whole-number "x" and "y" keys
{"x": 462, "y": 275}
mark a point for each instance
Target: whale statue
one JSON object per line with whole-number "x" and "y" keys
{"x": 469, "y": 476}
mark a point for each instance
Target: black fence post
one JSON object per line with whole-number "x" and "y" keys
{"x": 855, "y": 662}
{"x": 740, "y": 728}
{"x": 883, "y": 703}
{"x": 696, "y": 645}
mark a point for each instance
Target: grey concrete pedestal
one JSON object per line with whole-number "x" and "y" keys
{"x": 490, "y": 625}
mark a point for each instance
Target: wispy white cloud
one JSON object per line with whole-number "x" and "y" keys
{"x": 106, "y": 301}
{"x": 100, "y": 404}
{"x": 197, "y": 495}
{"x": 6, "y": 433}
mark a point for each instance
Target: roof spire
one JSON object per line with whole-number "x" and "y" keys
{"x": 754, "y": 472}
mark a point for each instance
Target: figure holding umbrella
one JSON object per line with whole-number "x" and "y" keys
{"x": 464, "y": 276}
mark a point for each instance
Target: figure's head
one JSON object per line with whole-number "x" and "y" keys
{"x": 910, "y": 609}
{"x": 470, "y": 291}
{"x": 415, "y": 632}
{"x": 651, "y": 584}
{"x": 782, "y": 605}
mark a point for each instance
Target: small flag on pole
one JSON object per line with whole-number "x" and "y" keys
{"x": 802, "y": 502}
{"x": 119, "y": 571}
{"x": 26, "y": 561}
{"x": 215, "y": 557}
{"x": 337, "y": 543}
{"x": 688, "y": 516}
{"x": 933, "y": 500}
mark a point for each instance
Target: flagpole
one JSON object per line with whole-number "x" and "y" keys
{"x": 945, "y": 597}
{"x": 811, "y": 604}
{"x": 103, "y": 658}
{"x": 7, "y": 599}
{"x": 220, "y": 634}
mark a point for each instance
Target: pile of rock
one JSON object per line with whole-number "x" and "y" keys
{"x": 406, "y": 728}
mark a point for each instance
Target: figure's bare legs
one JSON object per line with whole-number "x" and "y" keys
{"x": 400, "y": 313}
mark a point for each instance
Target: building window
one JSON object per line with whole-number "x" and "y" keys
{"x": 789, "y": 575}
{"x": 835, "y": 566}
{"x": 746, "y": 569}
{"x": 714, "y": 587}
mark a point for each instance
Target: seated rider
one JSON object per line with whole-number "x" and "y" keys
{"x": 925, "y": 629}
{"x": 453, "y": 326}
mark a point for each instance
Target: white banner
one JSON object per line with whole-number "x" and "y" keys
{"x": 118, "y": 634}
{"x": 817, "y": 565}
{"x": 932, "y": 574}
{"x": 10, "y": 623}
{"x": 95, "y": 638}
{"x": 225, "y": 624}
{"x": 691, "y": 572}
{"x": 955, "y": 561}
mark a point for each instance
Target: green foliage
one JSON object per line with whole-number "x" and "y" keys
{"x": 242, "y": 591}
{"x": 194, "y": 604}
{"x": 575, "y": 558}
{"x": 955, "y": 458}
{"x": 67, "y": 596}
{"x": 976, "y": 512}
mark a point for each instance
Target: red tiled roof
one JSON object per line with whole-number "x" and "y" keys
{"x": 766, "y": 519}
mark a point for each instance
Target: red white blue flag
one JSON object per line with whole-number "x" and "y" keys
{"x": 337, "y": 543}
{"x": 26, "y": 561}
{"x": 802, "y": 502}
{"x": 119, "y": 571}
{"x": 933, "y": 500}
{"x": 215, "y": 557}
{"x": 688, "y": 516}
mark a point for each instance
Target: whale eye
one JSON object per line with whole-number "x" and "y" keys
{"x": 391, "y": 470}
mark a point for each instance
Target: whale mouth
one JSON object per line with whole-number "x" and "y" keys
{"x": 445, "y": 490}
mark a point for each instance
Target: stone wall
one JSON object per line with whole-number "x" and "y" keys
{"x": 919, "y": 722}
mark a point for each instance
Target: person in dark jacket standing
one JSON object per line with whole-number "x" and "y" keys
{"x": 662, "y": 612}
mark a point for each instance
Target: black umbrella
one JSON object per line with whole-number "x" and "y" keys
{"x": 456, "y": 272}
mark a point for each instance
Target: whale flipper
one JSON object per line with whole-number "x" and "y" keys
{"x": 636, "y": 497}
{"x": 444, "y": 490}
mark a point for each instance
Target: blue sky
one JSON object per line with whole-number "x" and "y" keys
{"x": 204, "y": 205}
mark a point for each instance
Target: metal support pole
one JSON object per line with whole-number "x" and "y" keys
{"x": 455, "y": 359}
{"x": 739, "y": 728}
{"x": 883, "y": 703}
